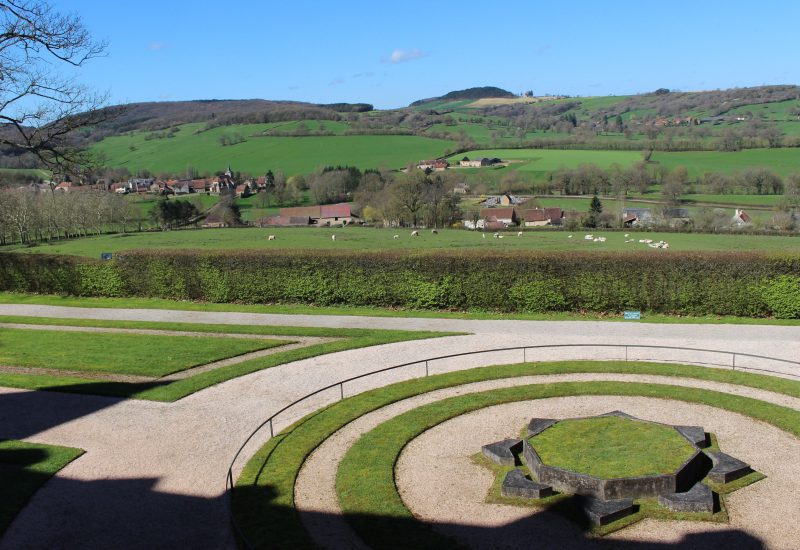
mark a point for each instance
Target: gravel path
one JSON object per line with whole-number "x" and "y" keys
{"x": 315, "y": 492}
{"x": 153, "y": 473}
{"x": 439, "y": 483}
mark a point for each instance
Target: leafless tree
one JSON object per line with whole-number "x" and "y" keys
{"x": 41, "y": 107}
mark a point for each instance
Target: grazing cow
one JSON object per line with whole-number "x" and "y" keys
{"x": 483, "y": 235}
{"x": 433, "y": 231}
{"x": 496, "y": 235}
{"x": 333, "y": 237}
{"x": 519, "y": 233}
{"x": 271, "y": 238}
{"x": 499, "y": 236}
{"x": 396, "y": 237}
{"x": 415, "y": 233}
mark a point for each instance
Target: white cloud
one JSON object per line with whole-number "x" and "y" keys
{"x": 401, "y": 56}
{"x": 336, "y": 81}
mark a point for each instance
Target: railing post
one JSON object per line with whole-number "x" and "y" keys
{"x": 524, "y": 355}
{"x": 426, "y": 369}
{"x": 341, "y": 391}
{"x": 733, "y": 365}
{"x": 626, "y": 353}
{"x": 271, "y": 431}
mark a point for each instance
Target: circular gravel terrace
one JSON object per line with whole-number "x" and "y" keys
{"x": 439, "y": 482}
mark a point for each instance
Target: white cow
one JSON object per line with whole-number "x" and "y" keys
{"x": 519, "y": 233}
{"x": 271, "y": 238}
{"x": 415, "y": 233}
{"x": 483, "y": 235}
{"x": 396, "y": 237}
{"x": 333, "y": 237}
{"x": 433, "y": 231}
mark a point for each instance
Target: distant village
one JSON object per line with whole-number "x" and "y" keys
{"x": 497, "y": 212}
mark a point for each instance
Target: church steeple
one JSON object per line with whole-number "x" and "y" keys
{"x": 229, "y": 172}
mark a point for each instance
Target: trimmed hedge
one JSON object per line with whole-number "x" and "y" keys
{"x": 742, "y": 284}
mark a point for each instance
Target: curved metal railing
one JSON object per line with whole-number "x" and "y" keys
{"x": 731, "y": 355}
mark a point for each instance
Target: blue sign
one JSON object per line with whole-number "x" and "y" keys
{"x": 633, "y": 315}
{"x": 105, "y": 255}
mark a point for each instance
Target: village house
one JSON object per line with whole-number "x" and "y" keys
{"x": 322, "y": 215}
{"x": 461, "y": 189}
{"x": 741, "y": 218}
{"x": 435, "y": 165}
{"x": 498, "y": 218}
{"x": 633, "y": 217}
{"x": 536, "y": 217}
{"x": 466, "y": 162}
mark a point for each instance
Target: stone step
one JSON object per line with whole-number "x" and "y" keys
{"x": 699, "y": 498}
{"x": 603, "y": 512}
{"x": 726, "y": 468}
{"x": 538, "y": 425}
{"x": 696, "y": 435}
{"x": 502, "y": 452}
{"x": 516, "y": 484}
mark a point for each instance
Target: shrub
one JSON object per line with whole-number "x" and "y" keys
{"x": 744, "y": 284}
{"x": 782, "y": 296}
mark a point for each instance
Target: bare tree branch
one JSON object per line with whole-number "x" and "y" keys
{"x": 40, "y": 109}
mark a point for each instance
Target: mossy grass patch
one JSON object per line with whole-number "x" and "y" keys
{"x": 610, "y": 447}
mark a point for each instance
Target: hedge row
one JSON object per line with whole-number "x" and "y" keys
{"x": 743, "y": 284}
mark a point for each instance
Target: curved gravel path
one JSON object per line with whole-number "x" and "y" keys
{"x": 315, "y": 488}
{"x": 153, "y": 473}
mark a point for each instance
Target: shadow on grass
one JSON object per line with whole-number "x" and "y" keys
{"x": 269, "y": 526}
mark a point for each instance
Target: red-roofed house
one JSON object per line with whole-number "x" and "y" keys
{"x": 327, "y": 214}
{"x": 533, "y": 217}
{"x": 506, "y": 216}
{"x": 741, "y": 218}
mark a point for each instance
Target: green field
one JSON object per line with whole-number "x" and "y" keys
{"x": 543, "y": 161}
{"x": 366, "y": 238}
{"x": 134, "y": 354}
{"x": 291, "y": 155}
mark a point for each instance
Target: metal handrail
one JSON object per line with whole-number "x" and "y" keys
{"x": 229, "y": 483}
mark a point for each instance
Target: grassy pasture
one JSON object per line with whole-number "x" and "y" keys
{"x": 543, "y": 161}
{"x": 292, "y": 155}
{"x": 365, "y": 238}
{"x": 136, "y": 354}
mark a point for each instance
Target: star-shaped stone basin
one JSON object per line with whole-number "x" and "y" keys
{"x": 610, "y": 460}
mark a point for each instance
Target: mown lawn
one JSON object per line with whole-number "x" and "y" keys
{"x": 612, "y": 447}
{"x": 365, "y": 238}
{"x": 136, "y": 354}
{"x": 24, "y": 467}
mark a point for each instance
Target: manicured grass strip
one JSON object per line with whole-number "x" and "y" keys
{"x": 264, "y": 494}
{"x": 611, "y": 447}
{"x": 365, "y": 479}
{"x": 24, "y": 467}
{"x": 145, "y": 355}
{"x": 160, "y": 391}
{"x": 301, "y": 309}
{"x": 271, "y": 330}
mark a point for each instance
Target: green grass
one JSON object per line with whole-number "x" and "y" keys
{"x": 612, "y": 447}
{"x": 367, "y": 238}
{"x": 365, "y": 479}
{"x": 135, "y": 354}
{"x": 24, "y": 467}
{"x": 264, "y": 495}
{"x": 543, "y": 161}
{"x": 291, "y": 155}
{"x": 303, "y": 309}
{"x": 95, "y": 357}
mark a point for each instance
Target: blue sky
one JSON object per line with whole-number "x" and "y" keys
{"x": 389, "y": 53}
